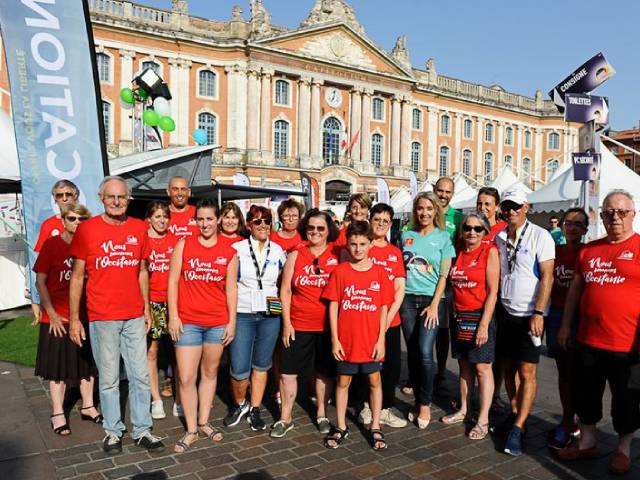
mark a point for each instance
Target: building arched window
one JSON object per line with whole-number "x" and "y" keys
{"x": 331, "y": 140}
{"x": 508, "y": 161}
{"x": 527, "y": 139}
{"x": 417, "y": 119}
{"x": 416, "y": 154}
{"x": 106, "y": 119}
{"x": 554, "y": 141}
{"x": 508, "y": 136}
{"x": 488, "y": 133}
{"x": 282, "y": 92}
{"x": 526, "y": 169}
{"x": 103, "y": 62}
{"x": 468, "y": 129}
{"x": 206, "y": 83}
{"x": 207, "y": 121}
{"x": 281, "y": 139}
{"x": 377, "y": 109}
{"x": 551, "y": 167}
{"x": 377, "y": 147}
{"x": 445, "y": 124}
{"x": 443, "y": 165}
{"x": 152, "y": 65}
{"x": 466, "y": 162}
{"x": 488, "y": 167}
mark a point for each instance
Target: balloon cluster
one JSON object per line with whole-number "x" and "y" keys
{"x": 159, "y": 114}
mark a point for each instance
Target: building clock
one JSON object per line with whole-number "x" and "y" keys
{"x": 333, "y": 96}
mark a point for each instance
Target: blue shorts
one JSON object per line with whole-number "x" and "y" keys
{"x": 195, "y": 335}
{"x": 367, "y": 368}
{"x": 254, "y": 343}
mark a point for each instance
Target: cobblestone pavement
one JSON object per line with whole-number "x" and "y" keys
{"x": 30, "y": 450}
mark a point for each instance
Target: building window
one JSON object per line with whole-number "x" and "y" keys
{"x": 445, "y": 121}
{"x": 206, "y": 83}
{"x": 466, "y": 162}
{"x": 282, "y": 92}
{"x": 552, "y": 166}
{"x": 508, "y": 136}
{"x": 417, "y": 119}
{"x": 331, "y": 140}
{"x": 527, "y": 139}
{"x": 207, "y": 121}
{"x": 377, "y": 109}
{"x": 106, "y": 119}
{"x": 152, "y": 65}
{"x": 508, "y": 161}
{"x": 488, "y": 133}
{"x": 554, "y": 141}
{"x": 443, "y": 166}
{"x": 103, "y": 62}
{"x": 627, "y": 162}
{"x": 281, "y": 139}
{"x": 377, "y": 146}
{"x": 468, "y": 129}
{"x": 526, "y": 169}
{"x": 416, "y": 154}
{"x": 488, "y": 167}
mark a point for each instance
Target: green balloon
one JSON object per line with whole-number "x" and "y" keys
{"x": 142, "y": 93}
{"x": 167, "y": 124}
{"x": 126, "y": 94}
{"x": 150, "y": 117}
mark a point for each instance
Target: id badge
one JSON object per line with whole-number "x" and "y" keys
{"x": 506, "y": 288}
{"x": 258, "y": 301}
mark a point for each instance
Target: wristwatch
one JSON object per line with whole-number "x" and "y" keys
{"x": 538, "y": 312}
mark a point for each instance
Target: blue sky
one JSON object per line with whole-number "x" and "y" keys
{"x": 521, "y": 45}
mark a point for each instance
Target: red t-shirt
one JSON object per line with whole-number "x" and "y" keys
{"x": 308, "y": 311}
{"x": 51, "y": 227}
{"x": 341, "y": 241}
{"x": 389, "y": 257}
{"x": 360, "y": 295}
{"x": 563, "y": 271}
{"x": 609, "y": 306}
{"x": 468, "y": 278}
{"x": 158, "y": 256}
{"x": 202, "y": 299}
{"x": 287, "y": 244}
{"x": 183, "y": 224}
{"x": 230, "y": 240}
{"x": 498, "y": 227}
{"x": 55, "y": 260}
{"x": 112, "y": 254}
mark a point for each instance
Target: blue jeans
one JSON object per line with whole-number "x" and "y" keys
{"x": 111, "y": 339}
{"x": 253, "y": 345}
{"x": 195, "y": 335}
{"x": 420, "y": 342}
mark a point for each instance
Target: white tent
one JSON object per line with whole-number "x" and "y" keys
{"x": 401, "y": 201}
{"x": 463, "y": 193}
{"x": 505, "y": 180}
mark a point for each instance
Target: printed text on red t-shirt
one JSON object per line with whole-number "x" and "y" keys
{"x": 359, "y": 300}
{"x": 204, "y": 271}
{"x": 117, "y": 254}
{"x": 459, "y": 278}
{"x": 602, "y": 272}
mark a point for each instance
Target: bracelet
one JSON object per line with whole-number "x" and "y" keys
{"x": 538, "y": 312}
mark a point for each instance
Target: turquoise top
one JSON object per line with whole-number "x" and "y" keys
{"x": 558, "y": 236}
{"x": 422, "y": 256}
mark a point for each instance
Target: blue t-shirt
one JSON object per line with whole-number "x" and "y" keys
{"x": 422, "y": 256}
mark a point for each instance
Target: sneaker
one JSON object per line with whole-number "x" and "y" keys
{"x": 324, "y": 425}
{"x": 112, "y": 444}
{"x": 236, "y": 414}
{"x": 560, "y": 438}
{"x": 177, "y": 410}
{"x": 504, "y": 427}
{"x": 157, "y": 410}
{"x": 254, "y": 420}
{"x": 387, "y": 417}
{"x": 149, "y": 442}
{"x": 365, "y": 415}
{"x": 513, "y": 445}
{"x": 280, "y": 429}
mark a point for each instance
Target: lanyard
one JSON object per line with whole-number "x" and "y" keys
{"x": 513, "y": 251}
{"x": 259, "y": 272}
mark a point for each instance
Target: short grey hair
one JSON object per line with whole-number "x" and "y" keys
{"x": 481, "y": 217}
{"x": 110, "y": 178}
{"x": 65, "y": 184}
{"x": 618, "y": 191}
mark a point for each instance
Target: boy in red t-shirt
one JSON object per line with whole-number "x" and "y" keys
{"x": 359, "y": 293}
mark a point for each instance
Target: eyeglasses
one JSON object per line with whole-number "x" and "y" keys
{"x": 609, "y": 214}
{"x": 73, "y": 218}
{"x": 475, "y": 228}
{"x": 289, "y": 217}
{"x": 316, "y": 266}
{"x": 113, "y": 198}
{"x": 316, "y": 228}
{"x": 61, "y": 195}
{"x": 260, "y": 221}
{"x": 380, "y": 221}
{"x": 507, "y": 207}
{"x": 569, "y": 223}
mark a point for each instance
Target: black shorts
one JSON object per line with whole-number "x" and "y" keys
{"x": 348, "y": 368}
{"x": 309, "y": 353}
{"x": 513, "y": 340}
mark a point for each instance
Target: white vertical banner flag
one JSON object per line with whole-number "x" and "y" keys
{"x": 242, "y": 180}
{"x": 413, "y": 185}
{"x": 383, "y": 191}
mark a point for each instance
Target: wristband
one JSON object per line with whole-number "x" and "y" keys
{"x": 538, "y": 312}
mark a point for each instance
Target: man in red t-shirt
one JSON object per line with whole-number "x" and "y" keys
{"x": 606, "y": 287}
{"x": 183, "y": 216}
{"x": 109, "y": 248}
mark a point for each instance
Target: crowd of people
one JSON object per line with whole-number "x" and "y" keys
{"x": 328, "y": 304}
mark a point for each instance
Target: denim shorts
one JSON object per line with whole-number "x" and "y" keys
{"x": 195, "y": 335}
{"x": 254, "y": 343}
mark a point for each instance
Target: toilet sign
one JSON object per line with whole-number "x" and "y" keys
{"x": 583, "y": 108}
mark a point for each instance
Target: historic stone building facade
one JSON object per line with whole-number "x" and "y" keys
{"x": 322, "y": 98}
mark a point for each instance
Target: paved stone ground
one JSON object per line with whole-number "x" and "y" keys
{"x": 30, "y": 450}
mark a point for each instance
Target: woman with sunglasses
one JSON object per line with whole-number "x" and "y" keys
{"x": 231, "y": 223}
{"x": 59, "y": 360}
{"x": 259, "y": 263}
{"x": 289, "y": 213}
{"x": 488, "y": 203}
{"x": 474, "y": 277}
{"x": 305, "y": 335}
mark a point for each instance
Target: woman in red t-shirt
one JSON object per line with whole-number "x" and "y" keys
{"x": 306, "y": 346}
{"x": 289, "y": 214}
{"x": 157, "y": 257}
{"x": 59, "y": 360}
{"x": 474, "y": 277}
{"x": 231, "y": 223}
{"x": 487, "y": 203}
{"x": 202, "y": 296}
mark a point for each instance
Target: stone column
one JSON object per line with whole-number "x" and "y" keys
{"x": 405, "y": 139}
{"x": 304, "y": 119}
{"x": 456, "y": 161}
{"x": 236, "y": 113}
{"x": 432, "y": 146}
{"x": 479, "y": 156}
{"x": 315, "y": 140}
{"x": 365, "y": 127}
{"x": 517, "y": 164}
{"x": 396, "y": 120}
{"x": 253, "y": 112}
{"x": 126, "y": 76}
{"x": 265, "y": 113}
{"x": 355, "y": 123}
{"x": 500, "y": 160}
{"x": 537, "y": 154}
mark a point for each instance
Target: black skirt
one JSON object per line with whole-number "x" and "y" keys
{"x": 60, "y": 360}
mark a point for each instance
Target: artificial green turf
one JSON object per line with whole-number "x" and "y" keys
{"x": 18, "y": 341}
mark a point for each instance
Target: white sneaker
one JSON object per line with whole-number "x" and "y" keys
{"x": 177, "y": 410}
{"x": 365, "y": 415}
{"x": 157, "y": 410}
{"x": 387, "y": 417}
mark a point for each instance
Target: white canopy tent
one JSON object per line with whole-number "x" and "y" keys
{"x": 401, "y": 201}
{"x": 505, "y": 181}
{"x": 463, "y": 193}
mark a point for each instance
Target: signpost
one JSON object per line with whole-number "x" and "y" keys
{"x": 583, "y": 108}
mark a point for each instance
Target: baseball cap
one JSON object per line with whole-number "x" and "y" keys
{"x": 514, "y": 196}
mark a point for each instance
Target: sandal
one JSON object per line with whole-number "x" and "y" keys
{"x": 376, "y": 441}
{"x": 479, "y": 431}
{"x": 454, "y": 418}
{"x": 98, "y": 419}
{"x": 182, "y": 445}
{"x": 336, "y": 435}
{"x": 62, "y": 428}
{"x": 214, "y": 435}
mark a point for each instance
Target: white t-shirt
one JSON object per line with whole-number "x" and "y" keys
{"x": 247, "y": 277}
{"x": 519, "y": 286}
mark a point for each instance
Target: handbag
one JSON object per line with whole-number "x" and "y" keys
{"x": 467, "y": 325}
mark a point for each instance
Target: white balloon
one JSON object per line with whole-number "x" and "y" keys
{"x": 125, "y": 105}
{"x": 161, "y": 105}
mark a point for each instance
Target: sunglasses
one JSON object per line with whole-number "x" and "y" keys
{"x": 507, "y": 207}
{"x": 316, "y": 228}
{"x": 475, "y": 228}
{"x": 609, "y": 214}
{"x": 569, "y": 223}
{"x": 316, "y": 266}
{"x": 260, "y": 221}
{"x": 73, "y": 218}
{"x": 60, "y": 195}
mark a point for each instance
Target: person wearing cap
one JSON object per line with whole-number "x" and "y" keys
{"x": 527, "y": 254}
